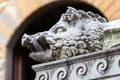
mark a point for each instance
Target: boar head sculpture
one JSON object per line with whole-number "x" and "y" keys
{"x": 77, "y": 32}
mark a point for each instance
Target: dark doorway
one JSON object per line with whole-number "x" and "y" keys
{"x": 18, "y": 61}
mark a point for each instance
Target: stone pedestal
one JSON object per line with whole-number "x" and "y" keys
{"x": 102, "y": 65}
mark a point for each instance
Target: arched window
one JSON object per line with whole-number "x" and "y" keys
{"x": 18, "y": 61}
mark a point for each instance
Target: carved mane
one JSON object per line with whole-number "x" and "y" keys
{"x": 77, "y": 32}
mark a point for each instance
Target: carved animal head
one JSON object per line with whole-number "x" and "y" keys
{"x": 77, "y": 32}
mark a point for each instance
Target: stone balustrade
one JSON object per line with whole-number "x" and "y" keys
{"x": 101, "y": 65}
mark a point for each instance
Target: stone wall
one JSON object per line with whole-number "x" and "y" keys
{"x": 13, "y": 12}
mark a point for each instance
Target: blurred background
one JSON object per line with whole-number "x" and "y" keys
{"x": 30, "y": 16}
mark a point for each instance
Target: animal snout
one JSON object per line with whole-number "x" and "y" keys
{"x": 25, "y": 39}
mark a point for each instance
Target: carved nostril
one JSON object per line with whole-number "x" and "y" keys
{"x": 23, "y": 37}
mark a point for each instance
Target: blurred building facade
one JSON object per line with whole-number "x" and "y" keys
{"x": 19, "y": 16}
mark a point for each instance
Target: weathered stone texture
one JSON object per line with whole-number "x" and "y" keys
{"x": 21, "y": 9}
{"x": 101, "y": 65}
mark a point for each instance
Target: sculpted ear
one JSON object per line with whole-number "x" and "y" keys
{"x": 73, "y": 13}
{"x": 70, "y": 15}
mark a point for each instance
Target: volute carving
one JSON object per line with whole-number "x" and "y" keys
{"x": 60, "y": 74}
{"x": 81, "y": 70}
{"x": 42, "y": 76}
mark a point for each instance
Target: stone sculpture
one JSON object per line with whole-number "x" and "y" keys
{"x": 112, "y": 34}
{"x": 77, "y": 32}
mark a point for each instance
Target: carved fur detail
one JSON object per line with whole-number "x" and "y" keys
{"x": 77, "y": 32}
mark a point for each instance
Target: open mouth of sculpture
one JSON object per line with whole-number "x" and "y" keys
{"x": 41, "y": 55}
{"x": 39, "y": 46}
{"x": 40, "y": 49}
{"x": 35, "y": 45}
{"x": 32, "y": 49}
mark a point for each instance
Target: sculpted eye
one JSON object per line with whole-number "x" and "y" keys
{"x": 60, "y": 30}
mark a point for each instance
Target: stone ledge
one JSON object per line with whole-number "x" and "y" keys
{"x": 77, "y": 59}
{"x": 101, "y": 65}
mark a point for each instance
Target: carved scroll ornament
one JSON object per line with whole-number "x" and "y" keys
{"x": 60, "y": 74}
{"x": 42, "y": 76}
{"x": 101, "y": 65}
{"x": 81, "y": 69}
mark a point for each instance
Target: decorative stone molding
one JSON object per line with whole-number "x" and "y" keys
{"x": 81, "y": 69}
{"x": 42, "y": 76}
{"x": 60, "y": 74}
{"x": 103, "y": 65}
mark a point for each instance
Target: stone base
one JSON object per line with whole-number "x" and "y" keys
{"x": 102, "y": 65}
